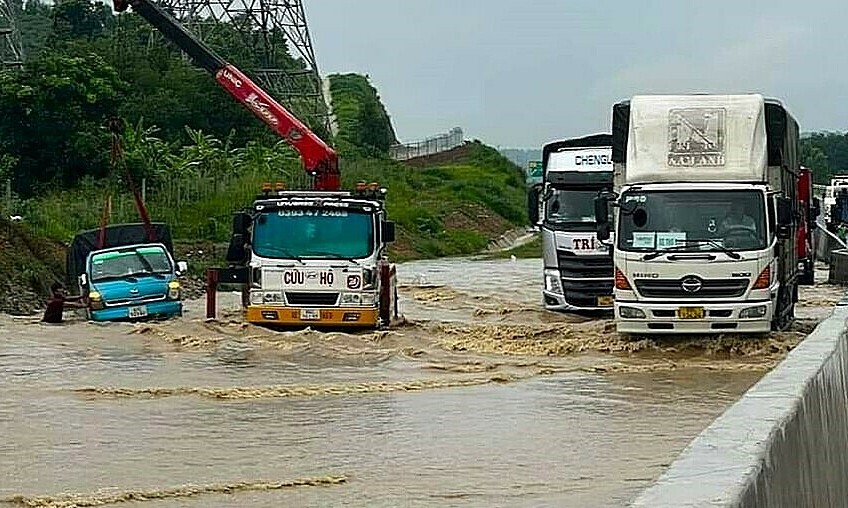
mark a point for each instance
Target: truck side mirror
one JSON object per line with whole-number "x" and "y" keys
{"x": 237, "y": 251}
{"x": 601, "y": 210}
{"x": 387, "y": 231}
{"x": 784, "y": 212}
{"x": 182, "y": 267}
{"x": 602, "y": 216}
{"x": 241, "y": 222}
{"x": 83, "y": 280}
{"x": 785, "y": 218}
{"x": 604, "y": 231}
{"x": 533, "y": 205}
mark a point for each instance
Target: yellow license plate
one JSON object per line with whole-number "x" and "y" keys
{"x": 605, "y": 301}
{"x": 690, "y": 312}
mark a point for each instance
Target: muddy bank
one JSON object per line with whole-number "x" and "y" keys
{"x": 28, "y": 266}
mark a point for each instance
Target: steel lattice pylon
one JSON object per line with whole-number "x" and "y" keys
{"x": 268, "y": 28}
{"x": 11, "y": 54}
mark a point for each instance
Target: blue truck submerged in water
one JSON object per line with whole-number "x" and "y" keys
{"x": 126, "y": 276}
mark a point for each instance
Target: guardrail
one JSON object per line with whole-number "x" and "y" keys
{"x": 429, "y": 146}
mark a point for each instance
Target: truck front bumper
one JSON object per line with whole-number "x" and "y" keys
{"x": 160, "y": 309}
{"x": 556, "y": 302}
{"x": 664, "y": 318}
{"x": 354, "y": 317}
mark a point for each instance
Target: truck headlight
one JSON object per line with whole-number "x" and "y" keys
{"x": 631, "y": 313}
{"x": 351, "y": 298}
{"x": 553, "y": 282}
{"x": 272, "y": 297}
{"x": 260, "y": 297}
{"x": 174, "y": 290}
{"x": 753, "y": 312}
{"x": 368, "y": 298}
{"x": 256, "y": 297}
{"x": 95, "y": 300}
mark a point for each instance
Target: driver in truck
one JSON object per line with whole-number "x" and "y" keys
{"x": 737, "y": 218}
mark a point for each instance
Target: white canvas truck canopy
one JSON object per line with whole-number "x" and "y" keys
{"x": 696, "y": 138}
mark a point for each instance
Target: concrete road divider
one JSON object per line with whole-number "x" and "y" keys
{"x": 783, "y": 444}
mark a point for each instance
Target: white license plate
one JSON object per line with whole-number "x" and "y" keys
{"x": 310, "y": 314}
{"x": 136, "y": 312}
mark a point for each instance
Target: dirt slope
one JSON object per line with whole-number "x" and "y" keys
{"x": 28, "y": 266}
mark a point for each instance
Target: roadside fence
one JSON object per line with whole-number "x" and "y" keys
{"x": 429, "y": 146}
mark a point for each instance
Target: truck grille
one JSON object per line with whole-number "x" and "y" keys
{"x": 572, "y": 266}
{"x": 133, "y": 301}
{"x": 574, "y": 270}
{"x": 710, "y": 288}
{"x": 316, "y": 299}
{"x": 585, "y": 293}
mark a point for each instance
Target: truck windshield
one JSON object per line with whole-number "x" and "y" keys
{"x": 692, "y": 220}
{"x": 318, "y": 233}
{"x": 571, "y": 206}
{"x": 134, "y": 261}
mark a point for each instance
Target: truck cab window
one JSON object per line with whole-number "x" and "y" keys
{"x": 732, "y": 219}
{"x": 572, "y": 206}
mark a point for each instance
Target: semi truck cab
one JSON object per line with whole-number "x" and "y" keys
{"x": 577, "y": 266}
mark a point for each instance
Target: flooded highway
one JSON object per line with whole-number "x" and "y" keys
{"x": 480, "y": 398}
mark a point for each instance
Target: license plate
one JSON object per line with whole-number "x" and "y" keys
{"x": 310, "y": 314}
{"x": 136, "y": 312}
{"x": 605, "y": 301}
{"x": 690, "y": 312}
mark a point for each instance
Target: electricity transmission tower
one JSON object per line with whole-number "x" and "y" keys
{"x": 268, "y": 28}
{"x": 11, "y": 54}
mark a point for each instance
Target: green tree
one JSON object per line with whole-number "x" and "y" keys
{"x": 35, "y": 25}
{"x": 74, "y": 19}
{"x": 834, "y": 145}
{"x": 52, "y": 117}
{"x": 814, "y": 158}
{"x": 364, "y": 125}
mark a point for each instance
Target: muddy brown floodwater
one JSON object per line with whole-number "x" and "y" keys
{"x": 479, "y": 399}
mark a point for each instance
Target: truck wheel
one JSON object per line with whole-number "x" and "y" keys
{"x": 785, "y": 310}
{"x": 777, "y": 320}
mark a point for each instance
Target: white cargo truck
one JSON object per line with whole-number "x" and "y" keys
{"x": 578, "y": 267}
{"x": 706, "y": 212}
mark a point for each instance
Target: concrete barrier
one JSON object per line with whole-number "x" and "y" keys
{"x": 510, "y": 239}
{"x": 783, "y": 444}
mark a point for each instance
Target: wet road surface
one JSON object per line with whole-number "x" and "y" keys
{"x": 479, "y": 399}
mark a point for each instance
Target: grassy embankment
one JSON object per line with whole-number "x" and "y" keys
{"x": 444, "y": 210}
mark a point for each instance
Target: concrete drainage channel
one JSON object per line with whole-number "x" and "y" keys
{"x": 783, "y": 444}
{"x": 511, "y": 239}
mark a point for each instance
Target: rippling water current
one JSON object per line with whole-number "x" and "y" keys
{"x": 479, "y": 399}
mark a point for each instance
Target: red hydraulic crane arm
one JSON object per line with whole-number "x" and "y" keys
{"x": 318, "y": 158}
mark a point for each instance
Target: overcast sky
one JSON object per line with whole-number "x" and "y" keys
{"x": 517, "y": 73}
